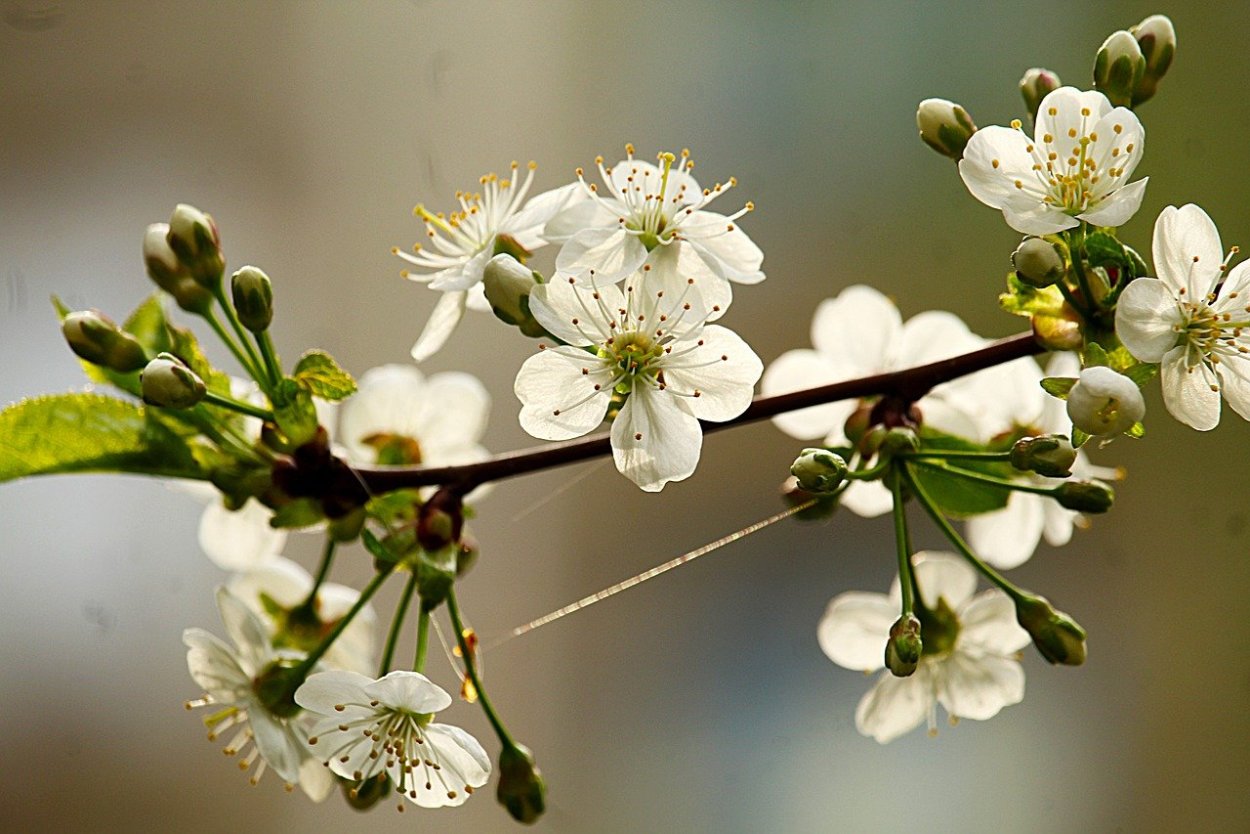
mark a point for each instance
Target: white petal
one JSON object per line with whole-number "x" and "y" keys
{"x": 1038, "y": 219}
{"x": 1144, "y": 318}
{"x": 315, "y": 780}
{"x": 994, "y": 159}
{"x": 1125, "y": 130}
{"x": 465, "y": 276}
{"x": 282, "y": 580}
{"x": 241, "y": 539}
{"x": 943, "y": 575}
{"x": 213, "y": 666}
{"x": 612, "y": 253}
{"x": 1187, "y": 251}
{"x": 731, "y": 255}
{"x": 323, "y": 692}
{"x": 245, "y": 630}
{"x": 1235, "y": 383}
{"x": 454, "y": 410}
{"x": 1060, "y": 115}
{"x": 683, "y": 277}
{"x": 723, "y": 369}
{"x": 1006, "y": 538}
{"x": 462, "y": 762}
{"x": 796, "y": 370}
{"x": 978, "y": 688}
{"x": 438, "y": 329}
{"x": 571, "y": 313}
{"x": 1236, "y": 287}
{"x": 855, "y": 628}
{"x": 409, "y": 691}
{"x": 988, "y": 626}
{"x": 895, "y": 706}
{"x": 577, "y": 216}
{"x": 868, "y": 499}
{"x": 558, "y": 400}
{"x": 931, "y": 336}
{"x": 541, "y": 210}
{"x": 1188, "y": 390}
{"x": 386, "y": 399}
{"x": 655, "y": 440}
{"x": 1116, "y": 209}
{"x": 858, "y": 328}
{"x": 1057, "y": 522}
{"x": 276, "y": 743}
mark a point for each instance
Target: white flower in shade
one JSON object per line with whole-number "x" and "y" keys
{"x": 398, "y": 415}
{"x": 1008, "y": 537}
{"x": 239, "y": 539}
{"x": 275, "y": 592}
{"x": 380, "y": 726}
{"x": 1076, "y": 167}
{"x": 656, "y": 215}
{"x": 228, "y": 677}
{"x": 1194, "y": 319}
{"x": 461, "y": 243}
{"x": 1105, "y": 402}
{"x": 860, "y": 333}
{"x": 969, "y": 665}
{"x": 653, "y": 346}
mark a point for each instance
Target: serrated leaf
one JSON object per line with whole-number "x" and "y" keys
{"x": 302, "y": 512}
{"x": 1022, "y": 299}
{"x": 1102, "y": 249}
{"x": 1142, "y": 372}
{"x": 148, "y": 324}
{"x": 958, "y": 496}
{"x": 90, "y": 433}
{"x": 318, "y": 371}
{"x": 1058, "y": 386}
{"x": 1138, "y": 430}
{"x": 1079, "y": 438}
{"x": 1137, "y": 265}
{"x": 294, "y": 412}
{"x": 184, "y": 345}
{"x": 1094, "y": 355}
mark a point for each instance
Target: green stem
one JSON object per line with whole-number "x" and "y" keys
{"x": 307, "y": 663}
{"x": 220, "y": 294}
{"x": 952, "y": 454}
{"x": 1076, "y": 248}
{"x": 252, "y": 370}
{"x": 945, "y": 526}
{"x": 869, "y": 473}
{"x": 392, "y": 636}
{"x": 470, "y": 667}
{"x": 236, "y": 405}
{"x": 423, "y": 640}
{"x": 270, "y": 356}
{"x": 989, "y": 480}
{"x": 903, "y": 540}
{"x": 1072, "y": 300}
{"x": 327, "y": 558}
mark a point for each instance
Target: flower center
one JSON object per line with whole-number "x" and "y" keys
{"x": 1074, "y": 171}
{"x": 939, "y": 628}
{"x": 394, "y": 449}
{"x": 633, "y": 354}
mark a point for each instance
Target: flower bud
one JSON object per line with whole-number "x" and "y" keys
{"x": 1057, "y": 332}
{"x": 794, "y": 495}
{"x": 944, "y": 126}
{"x": 1104, "y": 402}
{"x": 252, "y": 292}
{"x": 1050, "y": 455}
{"x": 1057, "y": 636}
{"x": 440, "y": 520}
{"x": 522, "y": 789}
{"x": 1157, "y": 38}
{"x": 818, "y": 471}
{"x": 168, "y": 383}
{"x": 1118, "y": 68}
{"x": 1085, "y": 496}
{"x": 1036, "y": 84}
{"x": 168, "y": 273}
{"x": 903, "y": 650}
{"x": 508, "y": 284}
{"x": 193, "y": 238}
{"x": 900, "y": 439}
{"x": 366, "y": 793}
{"x": 1038, "y": 262}
{"x": 97, "y": 339}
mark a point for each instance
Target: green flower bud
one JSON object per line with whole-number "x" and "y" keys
{"x": 818, "y": 471}
{"x": 97, "y": 339}
{"x": 522, "y": 789}
{"x": 1057, "y": 636}
{"x": 900, "y": 439}
{"x": 1105, "y": 402}
{"x": 904, "y": 648}
{"x": 1118, "y": 68}
{"x": 508, "y": 284}
{"x": 168, "y": 273}
{"x": 1057, "y": 332}
{"x": 1036, "y": 84}
{"x": 1085, "y": 496}
{"x": 168, "y": 383}
{"x": 193, "y": 238}
{"x": 1038, "y": 262}
{"x": 1157, "y": 38}
{"x": 1050, "y": 455}
{"x": 253, "y": 298}
{"x": 944, "y": 126}
{"x": 794, "y": 495}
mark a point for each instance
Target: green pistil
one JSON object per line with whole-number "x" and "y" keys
{"x": 939, "y": 628}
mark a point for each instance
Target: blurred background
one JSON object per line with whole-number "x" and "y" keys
{"x": 701, "y": 701}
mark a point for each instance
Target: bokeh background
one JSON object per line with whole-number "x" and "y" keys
{"x": 699, "y": 702}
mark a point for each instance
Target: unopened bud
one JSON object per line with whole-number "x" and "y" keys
{"x": 1057, "y": 636}
{"x": 366, "y": 793}
{"x": 1036, "y": 84}
{"x": 1157, "y": 38}
{"x": 818, "y": 471}
{"x": 97, "y": 339}
{"x": 945, "y": 126}
{"x": 1038, "y": 262}
{"x": 1085, "y": 496}
{"x": 522, "y": 789}
{"x": 1118, "y": 68}
{"x": 168, "y": 383}
{"x": 1050, "y": 455}
{"x": 168, "y": 273}
{"x": 1057, "y": 332}
{"x": 508, "y": 284}
{"x": 193, "y": 238}
{"x": 252, "y": 292}
{"x": 900, "y": 439}
{"x": 440, "y": 520}
{"x": 1104, "y": 402}
{"x": 904, "y": 648}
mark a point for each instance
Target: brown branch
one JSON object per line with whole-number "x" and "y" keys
{"x": 908, "y": 385}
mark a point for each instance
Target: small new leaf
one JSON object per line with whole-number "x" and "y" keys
{"x": 1021, "y": 299}
{"x": 1094, "y": 355}
{"x": 294, "y": 412}
{"x": 1058, "y": 386}
{"x": 323, "y": 377}
{"x": 1079, "y": 438}
{"x": 1102, "y": 249}
{"x": 1138, "y": 429}
{"x": 1142, "y": 372}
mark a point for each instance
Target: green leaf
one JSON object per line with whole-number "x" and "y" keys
{"x": 1079, "y": 438}
{"x": 90, "y": 433}
{"x": 1021, "y": 299}
{"x": 1094, "y": 355}
{"x": 959, "y": 496}
{"x": 148, "y": 324}
{"x": 1137, "y": 266}
{"x": 318, "y": 371}
{"x": 184, "y": 345}
{"x": 1142, "y": 372}
{"x": 395, "y": 508}
{"x": 302, "y": 512}
{"x": 1058, "y": 386}
{"x": 1138, "y": 430}
{"x": 294, "y": 412}
{"x": 1102, "y": 249}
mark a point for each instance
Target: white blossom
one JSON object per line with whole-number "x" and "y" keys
{"x": 651, "y": 345}
{"x": 971, "y": 668}
{"x": 461, "y": 243}
{"x": 228, "y": 676}
{"x": 1192, "y": 319}
{"x": 1076, "y": 167}
{"x": 1105, "y": 402}
{"x": 370, "y": 727}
